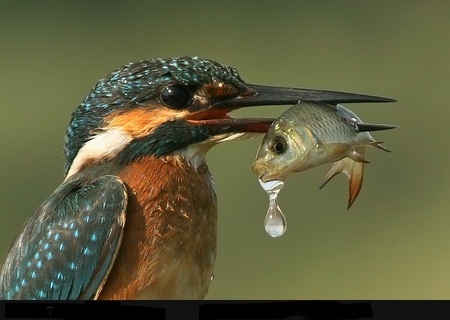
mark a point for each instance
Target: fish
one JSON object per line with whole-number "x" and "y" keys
{"x": 310, "y": 134}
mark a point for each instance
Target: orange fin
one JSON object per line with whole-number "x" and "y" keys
{"x": 354, "y": 170}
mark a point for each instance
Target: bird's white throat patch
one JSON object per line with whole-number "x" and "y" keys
{"x": 104, "y": 145}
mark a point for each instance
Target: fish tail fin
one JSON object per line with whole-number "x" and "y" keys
{"x": 354, "y": 170}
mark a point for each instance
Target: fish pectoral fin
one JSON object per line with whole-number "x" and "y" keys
{"x": 354, "y": 170}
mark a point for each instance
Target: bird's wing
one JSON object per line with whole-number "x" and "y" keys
{"x": 69, "y": 245}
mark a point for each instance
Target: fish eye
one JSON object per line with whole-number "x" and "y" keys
{"x": 176, "y": 96}
{"x": 278, "y": 145}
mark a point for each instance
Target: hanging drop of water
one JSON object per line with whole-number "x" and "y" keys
{"x": 275, "y": 222}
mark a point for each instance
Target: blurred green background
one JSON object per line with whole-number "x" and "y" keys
{"x": 394, "y": 242}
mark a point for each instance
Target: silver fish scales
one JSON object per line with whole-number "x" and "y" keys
{"x": 310, "y": 134}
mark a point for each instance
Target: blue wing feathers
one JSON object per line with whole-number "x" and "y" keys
{"x": 69, "y": 245}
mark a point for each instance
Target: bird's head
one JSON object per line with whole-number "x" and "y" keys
{"x": 176, "y": 105}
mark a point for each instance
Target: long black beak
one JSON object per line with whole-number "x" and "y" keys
{"x": 258, "y": 95}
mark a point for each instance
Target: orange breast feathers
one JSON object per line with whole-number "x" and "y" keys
{"x": 169, "y": 242}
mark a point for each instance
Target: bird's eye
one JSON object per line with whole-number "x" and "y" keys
{"x": 278, "y": 145}
{"x": 176, "y": 96}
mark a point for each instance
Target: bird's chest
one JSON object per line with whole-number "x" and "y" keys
{"x": 169, "y": 242}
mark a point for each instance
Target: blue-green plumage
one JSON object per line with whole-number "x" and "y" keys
{"x": 68, "y": 246}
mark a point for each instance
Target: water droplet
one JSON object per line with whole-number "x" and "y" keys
{"x": 275, "y": 222}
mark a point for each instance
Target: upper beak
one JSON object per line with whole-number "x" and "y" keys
{"x": 258, "y": 95}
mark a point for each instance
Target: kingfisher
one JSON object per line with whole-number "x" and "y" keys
{"x": 136, "y": 214}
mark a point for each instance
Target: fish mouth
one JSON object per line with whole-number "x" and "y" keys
{"x": 260, "y": 169}
{"x": 259, "y": 174}
{"x": 266, "y": 173}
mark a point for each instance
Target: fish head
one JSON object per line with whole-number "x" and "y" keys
{"x": 283, "y": 150}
